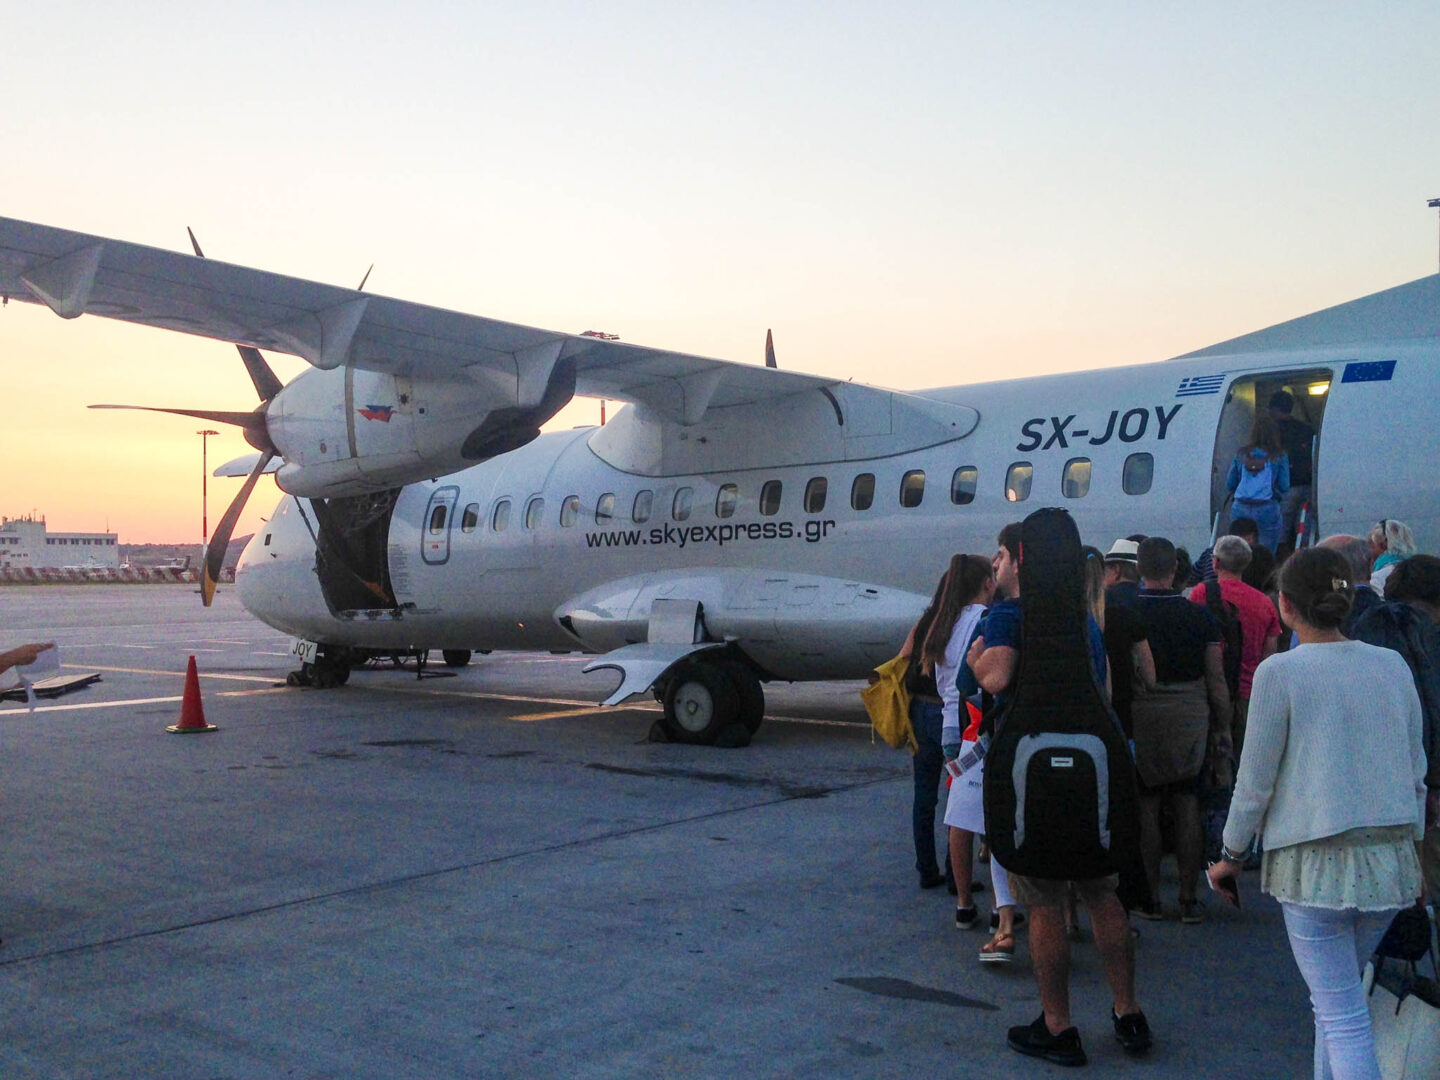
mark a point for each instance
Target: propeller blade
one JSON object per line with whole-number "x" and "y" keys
{"x": 239, "y": 419}
{"x": 264, "y": 380}
{"x": 769, "y": 350}
{"x": 361, "y": 286}
{"x": 220, "y": 539}
{"x": 267, "y": 383}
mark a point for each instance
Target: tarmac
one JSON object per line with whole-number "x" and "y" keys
{"x": 488, "y": 875}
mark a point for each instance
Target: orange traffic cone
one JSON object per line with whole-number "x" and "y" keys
{"x": 192, "y": 713}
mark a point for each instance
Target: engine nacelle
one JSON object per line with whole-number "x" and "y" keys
{"x": 349, "y": 431}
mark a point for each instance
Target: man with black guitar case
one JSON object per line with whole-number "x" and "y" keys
{"x": 1060, "y": 795}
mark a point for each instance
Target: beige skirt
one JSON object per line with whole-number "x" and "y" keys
{"x": 1172, "y": 728}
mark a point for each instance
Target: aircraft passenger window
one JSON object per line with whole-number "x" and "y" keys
{"x": 912, "y": 488}
{"x": 684, "y": 500}
{"x": 1139, "y": 474}
{"x": 470, "y": 518}
{"x": 605, "y": 508}
{"x": 770, "y": 497}
{"x": 962, "y": 485}
{"x": 501, "y": 517}
{"x": 267, "y": 539}
{"x": 534, "y": 511}
{"x": 569, "y": 511}
{"x": 862, "y": 491}
{"x": 815, "y": 494}
{"x": 644, "y": 502}
{"x": 1018, "y": 479}
{"x": 725, "y": 500}
{"x": 1075, "y": 483}
{"x": 437, "y": 518}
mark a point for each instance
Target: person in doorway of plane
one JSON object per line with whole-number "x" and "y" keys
{"x": 1259, "y": 477}
{"x": 1298, "y": 438}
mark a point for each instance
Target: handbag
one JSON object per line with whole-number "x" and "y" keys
{"x": 1404, "y": 1005}
{"x": 888, "y": 703}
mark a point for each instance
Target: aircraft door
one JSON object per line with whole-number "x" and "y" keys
{"x": 436, "y": 525}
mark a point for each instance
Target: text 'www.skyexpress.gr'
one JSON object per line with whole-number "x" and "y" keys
{"x": 811, "y": 532}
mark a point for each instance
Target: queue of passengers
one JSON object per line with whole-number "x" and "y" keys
{"x": 1279, "y": 683}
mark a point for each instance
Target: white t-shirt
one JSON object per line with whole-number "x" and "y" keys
{"x": 948, "y": 668}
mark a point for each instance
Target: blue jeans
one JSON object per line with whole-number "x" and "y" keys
{"x": 926, "y": 718}
{"x": 1267, "y": 516}
{"x": 1330, "y": 949}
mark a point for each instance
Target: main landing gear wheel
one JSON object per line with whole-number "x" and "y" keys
{"x": 455, "y": 657}
{"x": 749, "y": 694}
{"x": 700, "y": 703}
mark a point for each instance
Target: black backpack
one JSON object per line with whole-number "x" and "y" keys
{"x": 1060, "y": 795}
{"x": 1232, "y": 635}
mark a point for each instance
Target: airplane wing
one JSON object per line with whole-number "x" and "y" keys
{"x": 77, "y": 274}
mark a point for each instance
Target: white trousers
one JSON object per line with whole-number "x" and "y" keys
{"x": 1331, "y": 947}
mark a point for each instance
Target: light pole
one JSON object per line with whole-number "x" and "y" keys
{"x": 1434, "y": 204}
{"x": 205, "y": 488}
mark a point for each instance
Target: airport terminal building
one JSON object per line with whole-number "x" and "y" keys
{"x": 25, "y": 543}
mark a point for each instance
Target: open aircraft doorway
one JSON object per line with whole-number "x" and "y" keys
{"x": 1310, "y": 389}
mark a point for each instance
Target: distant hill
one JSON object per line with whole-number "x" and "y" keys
{"x": 164, "y": 554}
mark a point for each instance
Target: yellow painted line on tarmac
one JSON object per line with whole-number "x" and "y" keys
{"x": 564, "y": 713}
{"x": 177, "y": 674}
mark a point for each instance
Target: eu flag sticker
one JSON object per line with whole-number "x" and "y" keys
{"x": 1369, "y": 371}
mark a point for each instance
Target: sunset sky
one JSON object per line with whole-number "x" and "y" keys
{"x": 910, "y": 194}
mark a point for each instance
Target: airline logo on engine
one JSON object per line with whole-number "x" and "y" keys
{"x": 377, "y": 412}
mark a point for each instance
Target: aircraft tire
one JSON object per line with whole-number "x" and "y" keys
{"x": 456, "y": 657}
{"x": 749, "y": 694}
{"x": 700, "y": 702}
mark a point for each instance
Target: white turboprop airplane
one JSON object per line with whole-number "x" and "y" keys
{"x": 733, "y": 523}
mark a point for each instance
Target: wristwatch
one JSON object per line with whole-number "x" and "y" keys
{"x": 1230, "y": 856}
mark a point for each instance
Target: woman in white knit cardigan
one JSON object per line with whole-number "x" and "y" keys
{"x": 1332, "y": 780}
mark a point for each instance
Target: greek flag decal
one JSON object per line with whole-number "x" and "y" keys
{"x": 1370, "y": 371}
{"x": 1198, "y": 385}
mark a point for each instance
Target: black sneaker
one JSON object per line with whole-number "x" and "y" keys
{"x": 1035, "y": 1040}
{"x": 931, "y": 880}
{"x": 966, "y": 917}
{"x": 1132, "y": 1032}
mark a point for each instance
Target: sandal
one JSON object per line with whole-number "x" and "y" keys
{"x": 1000, "y": 949}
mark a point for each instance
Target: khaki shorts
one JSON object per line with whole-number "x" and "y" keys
{"x": 1048, "y": 892}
